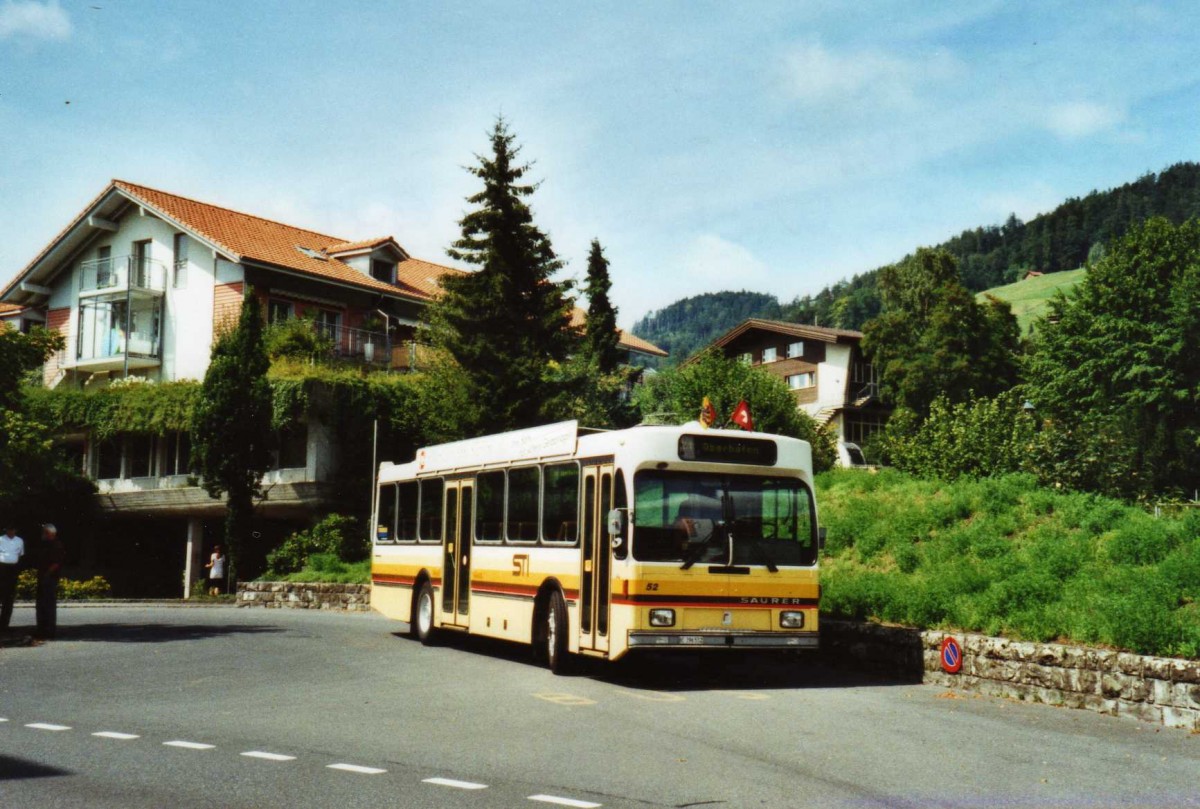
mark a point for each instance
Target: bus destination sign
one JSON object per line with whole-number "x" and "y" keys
{"x": 727, "y": 449}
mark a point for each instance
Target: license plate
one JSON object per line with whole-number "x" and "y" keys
{"x": 691, "y": 640}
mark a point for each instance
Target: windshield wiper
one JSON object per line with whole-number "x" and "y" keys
{"x": 693, "y": 555}
{"x": 757, "y": 545}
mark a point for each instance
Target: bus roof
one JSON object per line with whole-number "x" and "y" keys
{"x": 551, "y": 442}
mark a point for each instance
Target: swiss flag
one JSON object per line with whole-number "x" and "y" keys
{"x": 741, "y": 416}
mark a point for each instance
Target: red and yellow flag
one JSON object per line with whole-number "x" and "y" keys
{"x": 708, "y": 414}
{"x": 741, "y": 416}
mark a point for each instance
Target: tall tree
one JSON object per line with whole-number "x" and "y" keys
{"x": 505, "y": 323}
{"x": 36, "y": 485}
{"x": 933, "y": 339}
{"x": 600, "y": 330}
{"x": 1115, "y": 370}
{"x": 231, "y": 436}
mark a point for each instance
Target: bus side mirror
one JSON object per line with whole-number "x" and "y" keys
{"x": 617, "y": 522}
{"x": 820, "y": 539}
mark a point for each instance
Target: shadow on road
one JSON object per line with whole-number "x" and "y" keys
{"x": 154, "y": 633}
{"x": 694, "y": 670}
{"x": 13, "y": 769}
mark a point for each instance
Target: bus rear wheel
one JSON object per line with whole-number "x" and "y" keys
{"x": 422, "y": 623}
{"x": 554, "y": 635}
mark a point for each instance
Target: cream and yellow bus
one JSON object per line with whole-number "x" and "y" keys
{"x": 598, "y": 543}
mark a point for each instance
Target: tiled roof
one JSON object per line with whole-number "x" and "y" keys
{"x": 801, "y": 330}
{"x": 423, "y": 277}
{"x": 258, "y": 239}
{"x": 630, "y": 342}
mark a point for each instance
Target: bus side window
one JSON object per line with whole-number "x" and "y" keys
{"x": 489, "y": 507}
{"x": 524, "y": 487}
{"x": 620, "y": 500}
{"x": 560, "y": 503}
{"x": 385, "y": 529}
{"x": 431, "y": 510}
{"x": 406, "y": 523}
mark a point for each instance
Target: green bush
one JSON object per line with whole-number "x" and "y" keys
{"x": 297, "y": 338}
{"x": 1003, "y": 555}
{"x": 327, "y": 568}
{"x": 335, "y": 535}
{"x": 68, "y": 589}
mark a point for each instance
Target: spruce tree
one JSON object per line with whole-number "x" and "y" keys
{"x": 231, "y": 432}
{"x": 600, "y": 334}
{"x": 506, "y": 323}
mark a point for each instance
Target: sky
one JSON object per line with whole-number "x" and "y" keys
{"x": 777, "y": 147}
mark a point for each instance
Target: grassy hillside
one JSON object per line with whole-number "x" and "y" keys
{"x": 1030, "y": 297}
{"x": 1006, "y": 556}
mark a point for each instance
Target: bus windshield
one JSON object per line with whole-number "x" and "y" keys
{"x": 691, "y": 518}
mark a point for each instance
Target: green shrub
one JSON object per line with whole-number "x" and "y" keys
{"x": 327, "y": 568}
{"x": 68, "y": 589}
{"x": 337, "y": 535}
{"x": 1003, "y": 555}
{"x": 297, "y": 338}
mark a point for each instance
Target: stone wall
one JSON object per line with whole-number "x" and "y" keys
{"x": 347, "y": 597}
{"x": 1161, "y": 690}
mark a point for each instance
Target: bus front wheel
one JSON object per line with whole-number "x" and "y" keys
{"x": 554, "y": 635}
{"x": 423, "y": 615}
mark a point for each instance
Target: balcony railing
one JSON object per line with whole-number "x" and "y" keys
{"x": 121, "y": 273}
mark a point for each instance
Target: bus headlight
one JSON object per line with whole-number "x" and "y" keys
{"x": 791, "y": 619}
{"x": 662, "y": 617}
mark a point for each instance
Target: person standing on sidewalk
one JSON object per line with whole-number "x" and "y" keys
{"x": 12, "y": 548}
{"x": 216, "y": 572}
{"x": 49, "y": 556}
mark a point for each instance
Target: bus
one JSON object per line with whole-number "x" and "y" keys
{"x": 601, "y": 543}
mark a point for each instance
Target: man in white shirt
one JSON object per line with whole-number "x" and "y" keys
{"x": 12, "y": 548}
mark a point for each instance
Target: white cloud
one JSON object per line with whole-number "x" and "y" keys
{"x": 712, "y": 259}
{"x": 819, "y": 76}
{"x": 1079, "y": 119}
{"x": 1026, "y": 203}
{"x": 34, "y": 20}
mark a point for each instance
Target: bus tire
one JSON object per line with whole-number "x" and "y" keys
{"x": 554, "y": 635}
{"x": 422, "y": 619}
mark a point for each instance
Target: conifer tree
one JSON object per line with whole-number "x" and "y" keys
{"x": 505, "y": 323}
{"x": 232, "y": 425}
{"x": 600, "y": 331}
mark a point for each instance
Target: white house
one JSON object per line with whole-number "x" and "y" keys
{"x": 141, "y": 281}
{"x": 824, "y": 368}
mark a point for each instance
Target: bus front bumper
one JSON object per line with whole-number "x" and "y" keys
{"x": 722, "y": 640}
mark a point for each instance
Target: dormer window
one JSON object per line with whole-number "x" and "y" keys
{"x": 384, "y": 271}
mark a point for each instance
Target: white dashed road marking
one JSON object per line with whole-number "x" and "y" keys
{"x": 2, "y": 719}
{"x": 268, "y": 756}
{"x": 112, "y": 734}
{"x": 565, "y": 801}
{"x": 47, "y": 726}
{"x": 450, "y": 782}
{"x": 189, "y": 745}
{"x": 356, "y": 768}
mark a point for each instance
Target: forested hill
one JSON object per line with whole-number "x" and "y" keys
{"x": 1063, "y": 239}
{"x": 688, "y": 324}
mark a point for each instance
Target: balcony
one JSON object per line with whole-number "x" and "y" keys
{"x": 122, "y": 275}
{"x": 323, "y": 341}
{"x": 119, "y": 334}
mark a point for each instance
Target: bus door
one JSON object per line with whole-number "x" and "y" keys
{"x": 456, "y": 555}
{"x": 594, "y": 591}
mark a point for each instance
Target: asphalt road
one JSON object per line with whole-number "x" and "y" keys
{"x": 303, "y": 691}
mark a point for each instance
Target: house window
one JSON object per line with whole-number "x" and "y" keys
{"x": 770, "y": 354}
{"x": 328, "y": 322}
{"x": 278, "y": 311}
{"x": 292, "y": 449}
{"x": 801, "y": 381}
{"x": 104, "y": 271}
{"x": 141, "y": 265}
{"x": 138, "y": 456}
{"x": 383, "y": 271}
{"x": 796, "y": 349}
{"x": 178, "y": 449}
{"x": 746, "y": 358}
{"x": 108, "y": 458}
{"x": 181, "y": 261}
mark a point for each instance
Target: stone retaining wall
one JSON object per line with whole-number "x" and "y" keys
{"x": 1161, "y": 690}
{"x": 293, "y": 595}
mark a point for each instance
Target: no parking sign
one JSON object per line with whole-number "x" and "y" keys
{"x": 952, "y": 657}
